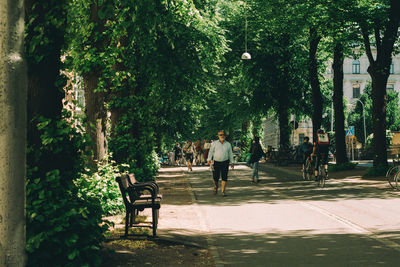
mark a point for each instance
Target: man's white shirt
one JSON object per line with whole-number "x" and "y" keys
{"x": 220, "y": 152}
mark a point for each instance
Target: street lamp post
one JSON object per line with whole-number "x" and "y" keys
{"x": 365, "y": 130}
{"x": 332, "y": 116}
{"x": 246, "y": 55}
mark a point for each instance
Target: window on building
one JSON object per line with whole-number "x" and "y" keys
{"x": 356, "y": 66}
{"x": 390, "y": 87}
{"x": 356, "y": 91}
{"x": 301, "y": 138}
{"x": 391, "y": 68}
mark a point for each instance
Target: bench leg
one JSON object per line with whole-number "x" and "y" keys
{"x": 127, "y": 223}
{"x": 155, "y": 221}
{"x": 132, "y": 218}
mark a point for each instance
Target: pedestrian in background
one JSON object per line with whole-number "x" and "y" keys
{"x": 198, "y": 152}
{"x": 220, "y": 156}
{"x": 256, "y": 154}
{"x": 188, "y": 149}
{"x": 178, "y": 153}
{"x": 206, "y": 149}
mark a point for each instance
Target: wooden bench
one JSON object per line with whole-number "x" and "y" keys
{"x": 135, "y": 200}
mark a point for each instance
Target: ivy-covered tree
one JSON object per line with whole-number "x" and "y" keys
{"x": 62, "y": 227}
{"x": 154, "y": 61}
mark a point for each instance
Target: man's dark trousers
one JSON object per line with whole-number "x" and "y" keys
{"x": 221, "y": 169}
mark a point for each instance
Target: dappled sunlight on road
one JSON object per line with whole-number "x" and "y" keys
{"x": 303, "y": 248}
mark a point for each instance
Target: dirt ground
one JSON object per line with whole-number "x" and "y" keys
{"x": 160, "y": 251}
{"x": 153, "y": 252}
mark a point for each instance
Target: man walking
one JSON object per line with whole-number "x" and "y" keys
{"x": 220, "y": 156}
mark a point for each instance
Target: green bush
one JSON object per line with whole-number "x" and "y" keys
{"x": 342, "y": 167}
{"x": 63, "y": 226}
{"x": 379, "y": 170}
{"x": 102, "y": 186}
{"x": 135, "y": 148}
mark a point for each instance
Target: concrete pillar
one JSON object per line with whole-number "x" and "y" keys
{"x": 13, "y": 91}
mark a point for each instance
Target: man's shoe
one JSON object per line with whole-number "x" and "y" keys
{"x": 215, "y": 190}
{"x": 224, "y": 195}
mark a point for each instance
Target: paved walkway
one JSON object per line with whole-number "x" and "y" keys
{"x": 179, "y": 219}
{"x": 284, "y": 221}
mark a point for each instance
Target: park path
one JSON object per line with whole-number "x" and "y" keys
{"x": 284, "y": 221}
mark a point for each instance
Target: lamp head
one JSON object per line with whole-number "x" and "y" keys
{"x": 246, "y": 56}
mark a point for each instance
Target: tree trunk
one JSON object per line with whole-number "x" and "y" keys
{"x": 317, "y": 100}
{"x": 379, "y": 72}
{"x": 338, "y": 57}
{"x": 379, "y": 100}
{"x": 13, "y": 88}
{"x": 95, "y": 109}
{"x": 96, "y": 114}
{"x": 44, "y": 96}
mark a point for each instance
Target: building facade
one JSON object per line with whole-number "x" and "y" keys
{"x": 356, "y": 78}
{"x": 271, "y": 133}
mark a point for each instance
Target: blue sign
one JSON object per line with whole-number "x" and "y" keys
{"x": 350, "y": 131}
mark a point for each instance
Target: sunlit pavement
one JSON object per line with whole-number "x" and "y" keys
{"x": 285, "y": 221}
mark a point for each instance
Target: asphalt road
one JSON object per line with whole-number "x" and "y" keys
{"x": 285, "y": 221}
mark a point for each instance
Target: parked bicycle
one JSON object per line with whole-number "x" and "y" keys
{"x": 393, "y": 177}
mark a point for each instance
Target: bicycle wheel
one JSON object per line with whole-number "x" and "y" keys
{"x": 322, "y": 176}
{"x": 396, "y": 180}
{"x": 391, "y": 175}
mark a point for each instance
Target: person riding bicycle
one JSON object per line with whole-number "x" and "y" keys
{"x": 306, "y": 149}
{"x": 321, "y": 150}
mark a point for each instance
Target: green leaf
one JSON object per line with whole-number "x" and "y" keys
{"x": 73, "y": 254}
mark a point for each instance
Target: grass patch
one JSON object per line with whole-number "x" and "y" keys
{"x": 138, "y": 219}
{"x": 379, "y": 170}
{"x": 118, "y": 232}
{"x": 342, "y": 167}
{"x": 133, "y": 244}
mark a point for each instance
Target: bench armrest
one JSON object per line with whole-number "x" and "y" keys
{"x": 132, "y": 181}
{"x": 139, "y": 188}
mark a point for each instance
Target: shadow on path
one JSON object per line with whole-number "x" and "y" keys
{"x": 276, "y": 185}
{"x": 302, "y": 248}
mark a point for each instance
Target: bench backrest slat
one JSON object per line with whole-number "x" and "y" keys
{"x": 123, "y": 186}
